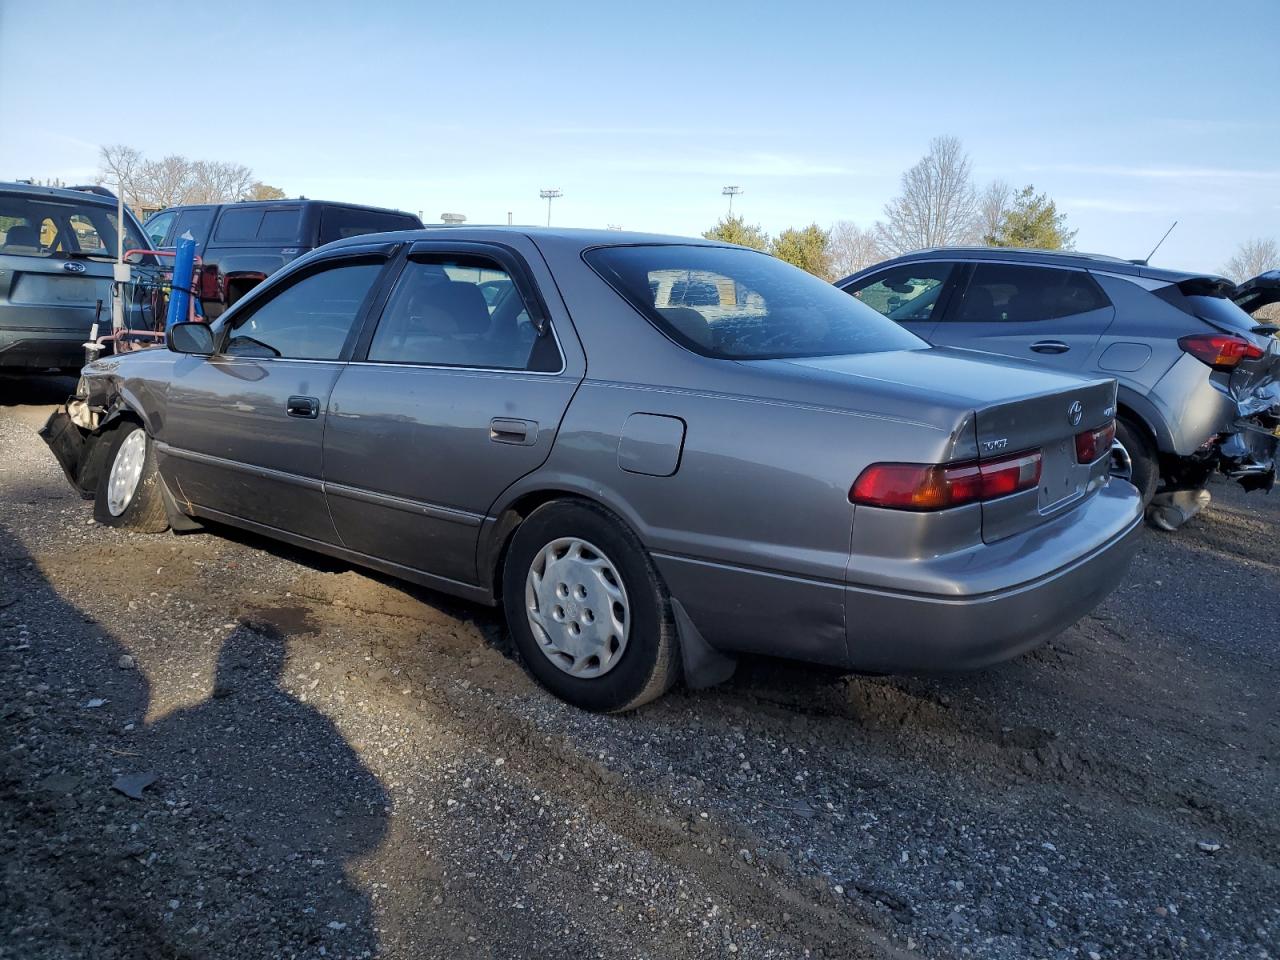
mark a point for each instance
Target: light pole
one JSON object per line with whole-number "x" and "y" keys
{"x": 731, "y": 192}
{"x": 549, "y": 195}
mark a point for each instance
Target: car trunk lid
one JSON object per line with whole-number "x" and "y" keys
{"x": 1262, "y": 291}
{"x": 1049, "y": 423}
{"x": 1012, "y": 407}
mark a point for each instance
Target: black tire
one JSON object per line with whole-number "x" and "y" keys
{"x": 1145, "y": 467}
{"x": 144, "y": 512}
{"x": 649, "y": 664}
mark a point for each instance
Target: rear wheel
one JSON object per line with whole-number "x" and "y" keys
{"x": 128, "y": 495}
{"x": 1133, "y": 458}
{"x": 588, "y": 610}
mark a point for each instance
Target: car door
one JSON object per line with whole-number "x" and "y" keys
{"x": 1047, "y": 315}
{"x": 243, "y": 429}
{"x": 911, "y": 294}
{"x": 452, "y": 397}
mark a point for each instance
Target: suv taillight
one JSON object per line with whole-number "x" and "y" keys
{"x": 1092, "y": 445}
{"x": 937, "y": 486}
{"x": 1220, "y": 350}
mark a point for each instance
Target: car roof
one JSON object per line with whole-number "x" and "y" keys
{"x": 583, "y": 237}
{"x": 1051, "y": 258}
{"x": 98, "y": 195}
{"x": 282, "y": 201}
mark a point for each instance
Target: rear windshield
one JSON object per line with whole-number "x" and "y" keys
{"x": 1221, "y": 311}
{"x": 35, "y": 226}
{"x": 339, "y": 222}
{"x": 742, "y": 305}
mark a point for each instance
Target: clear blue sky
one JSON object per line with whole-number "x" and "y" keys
{"x": 1129, "y": 114}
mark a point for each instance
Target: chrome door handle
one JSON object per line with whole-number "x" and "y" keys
{"x": 308, "y": 408}
{"x": 523, "y": 433}
{"x": 1050, "y": 346}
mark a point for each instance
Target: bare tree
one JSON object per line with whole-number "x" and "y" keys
{"x": 937, "y": 206}
{"x": 851, "y": 248}
{"x": 166, "y": 182}
{"x": 1252, "y": 258}
{"x": 173, "y": 180}
{"x": 118, "y": 169}
{"x": 214, "y": 181}
{"x": 993, "y": 203}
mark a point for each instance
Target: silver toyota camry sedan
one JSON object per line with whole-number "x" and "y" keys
{"x": 655, "y": 453}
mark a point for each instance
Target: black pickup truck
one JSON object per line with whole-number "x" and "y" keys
{"x": 241, "y": 244}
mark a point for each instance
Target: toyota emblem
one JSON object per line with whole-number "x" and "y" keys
{"x": 73, "y": 266}
{"x": 1075, "y": 413}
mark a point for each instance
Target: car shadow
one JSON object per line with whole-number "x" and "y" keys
{"x": 34, "y": 389}
{"x": 120, "y": 838}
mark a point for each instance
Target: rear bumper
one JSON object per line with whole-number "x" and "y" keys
{"x": 37, "y": 349}
{"x": 958, "y": 630}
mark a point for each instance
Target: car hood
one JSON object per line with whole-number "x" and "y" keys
{"x": 1263, "y": 290}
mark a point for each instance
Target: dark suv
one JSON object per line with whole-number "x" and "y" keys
{"x": 1198, "y": 377}
{"x": 241, "y": 244}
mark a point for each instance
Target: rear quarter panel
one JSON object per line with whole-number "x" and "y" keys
{"x": 753, "y": 528}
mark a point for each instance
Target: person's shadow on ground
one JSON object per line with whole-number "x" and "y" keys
{"x": 295, "y": 803}
{"x": 240, "y": 847}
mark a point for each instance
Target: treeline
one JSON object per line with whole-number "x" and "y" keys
{"x": 155, "y": 184}
{"x": 938, "y": 205}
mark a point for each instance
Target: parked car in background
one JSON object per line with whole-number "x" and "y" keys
{"x": 1197, "y": 376}
{"x": 56, "y": 251}
{"x": 241, "y": 244}
{"x": 653, "y": 452}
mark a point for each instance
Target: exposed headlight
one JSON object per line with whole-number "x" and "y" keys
{"x": 82, "y": 389}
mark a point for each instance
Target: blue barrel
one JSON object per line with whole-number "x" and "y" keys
{"x": 183, "y": 268}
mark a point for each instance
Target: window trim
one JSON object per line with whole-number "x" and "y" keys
{"x": 231, "y": 320}
{"x": 505, "y": 257}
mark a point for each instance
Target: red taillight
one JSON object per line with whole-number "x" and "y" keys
{"x": 1092, "y": 445}
{"x": 1219, "y": 350}
{"x": 937, "y": 486}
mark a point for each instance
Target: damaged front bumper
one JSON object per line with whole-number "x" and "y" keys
{"x": 71, "y": 434}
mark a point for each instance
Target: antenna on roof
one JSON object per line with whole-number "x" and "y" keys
{"x": 1148, "y": 257}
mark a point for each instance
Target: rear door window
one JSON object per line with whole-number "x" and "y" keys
{"x": 238, "y": 225}
{"x": 339, "y": 222}
{"x": 279, "y": 225}
{"x": 271, "y": 225}
{"x": 460, "y": 311}
{"x": 909, "y": 292}
{"x": 1011, "y": 293}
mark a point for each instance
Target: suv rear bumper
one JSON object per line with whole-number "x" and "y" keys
{"x": 957, "y": 628}
{"x": 31, "y": 349}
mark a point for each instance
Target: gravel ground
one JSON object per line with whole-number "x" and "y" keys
{"x": 330, "y": 763}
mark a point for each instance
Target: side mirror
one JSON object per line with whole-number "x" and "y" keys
{"x": 188, "y": 337}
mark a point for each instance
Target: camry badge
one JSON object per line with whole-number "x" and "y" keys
{"x": 1075, "y": 413}
{"x": 73, "y": 266}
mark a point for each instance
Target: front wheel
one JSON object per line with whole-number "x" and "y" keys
{"x": 587, "y": 609}
{"x": 128, "y": 495}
